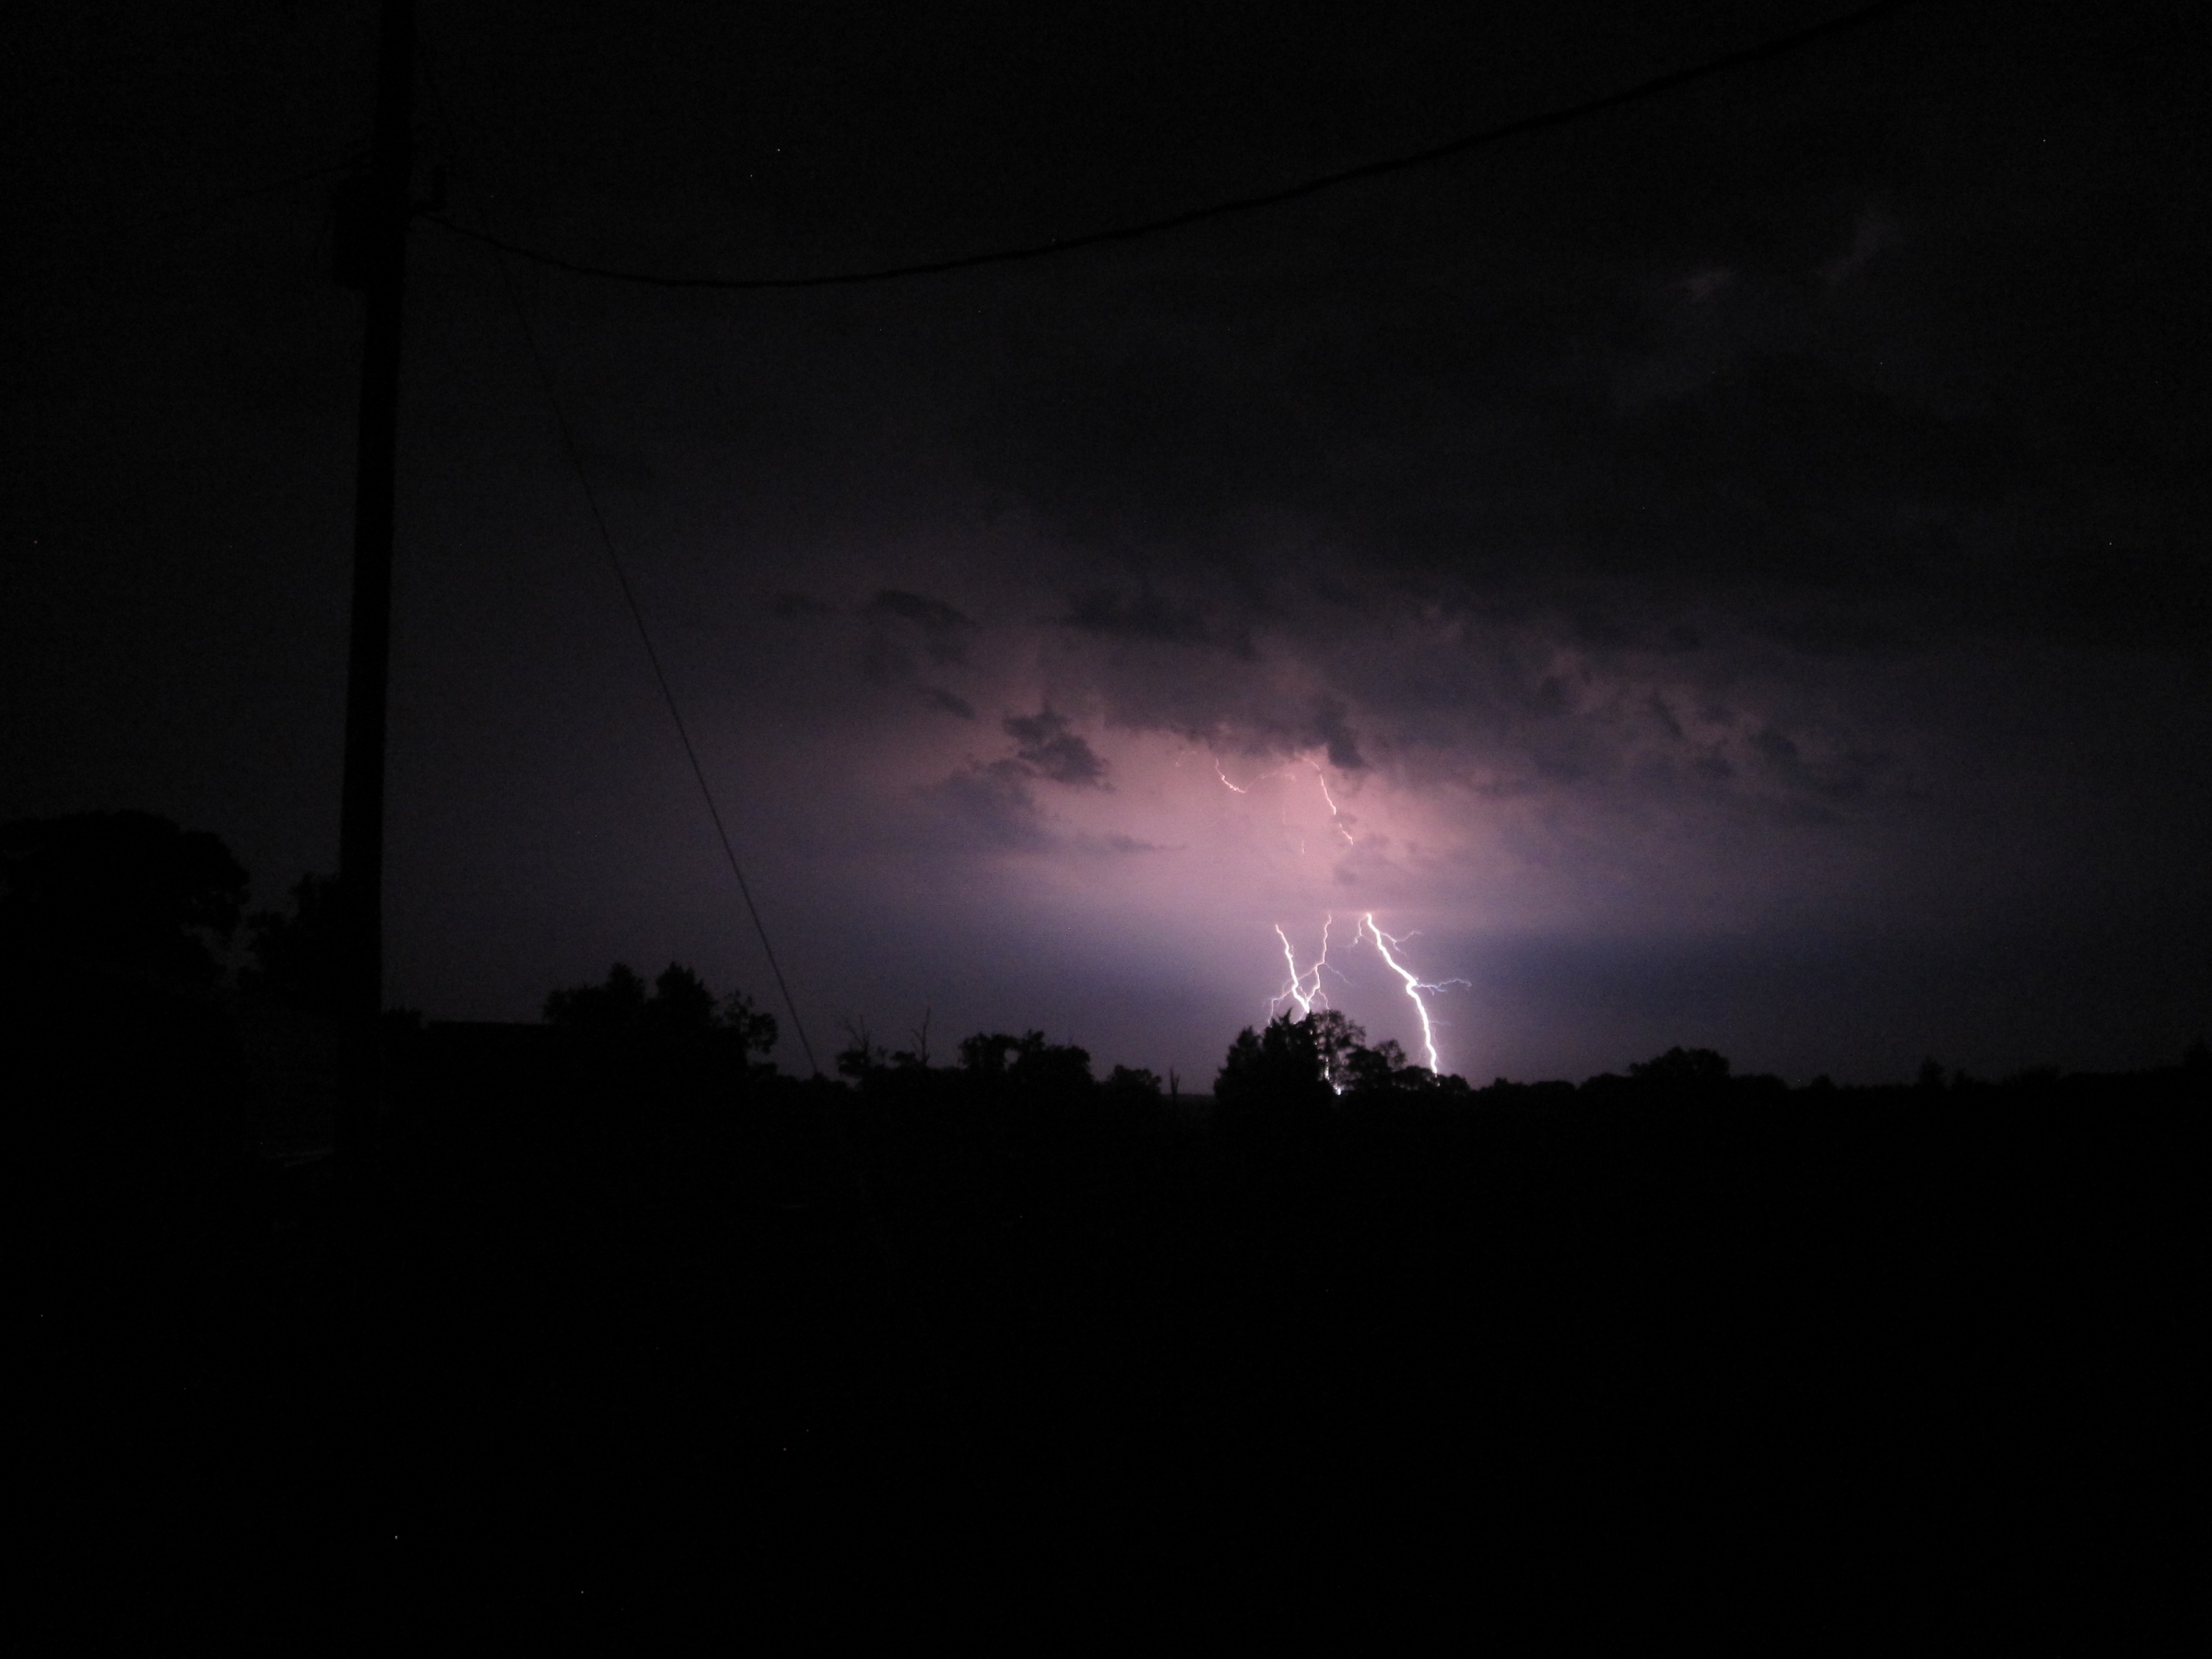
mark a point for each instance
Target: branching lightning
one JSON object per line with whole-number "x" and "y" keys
{"x": 1301, "y": 987}
{"x": 1328, "y": 795}
{"x": 1386, "y": 944}
{"x": 1295, "y": 991}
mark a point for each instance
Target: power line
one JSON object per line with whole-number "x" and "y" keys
{"x": 900, "y": 1280}
{"x": 169, "y": 216}
{"x": 350, "y": 164}
{"x": 79, "y": 237}
{"x": 1764, "y": 52}
{"x": 637, "y": 615}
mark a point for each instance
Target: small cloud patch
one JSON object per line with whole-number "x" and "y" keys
{"x": 944, "y": 629}
{"x": 1044, "y": 743}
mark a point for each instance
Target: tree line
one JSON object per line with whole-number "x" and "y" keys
{"x": 132, "y": 897}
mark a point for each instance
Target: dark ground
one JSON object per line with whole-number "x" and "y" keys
{"x": 635, "y": 1354}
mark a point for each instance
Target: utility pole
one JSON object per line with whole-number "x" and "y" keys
{"x": 370, "y": 254}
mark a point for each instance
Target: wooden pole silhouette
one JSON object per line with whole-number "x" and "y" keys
{"x": 370, "y": 254}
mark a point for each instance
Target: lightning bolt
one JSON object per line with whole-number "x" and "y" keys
{"x": 1301, "y": 987}
{"x": 1294, "y": 989}
{"x": 1335, "y": 814}
{"x": 1319, "y": 777}
{"x": 1384, "y": 943}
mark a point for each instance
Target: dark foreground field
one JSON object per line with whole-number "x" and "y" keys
{"x": 633, "y": 1354}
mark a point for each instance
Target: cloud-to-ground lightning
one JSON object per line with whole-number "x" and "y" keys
{"x": 1384, "y": 943}
{"x": 1295, "y": 989}
{"x": 1301, "y": 987}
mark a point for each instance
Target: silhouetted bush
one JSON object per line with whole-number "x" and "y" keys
{"x": 1026, "y": 1068}
{"x": 128, "y": 1086}
{"x": 1288, "y": 1070}
{"x": 674, "y": 1042}
{"x": 1683, "y": 1068}
{"x": 680, "y": 1009}
{"x": 1135, "y": 1086}
{"x": 298, "y": 959}
{"x": 124, "y": 892}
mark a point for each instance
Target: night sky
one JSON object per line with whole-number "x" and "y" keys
{"x": 1728, "y": 572}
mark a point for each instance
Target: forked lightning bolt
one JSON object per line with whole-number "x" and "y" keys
{"x": 1295, "y": 989}
{"x": 1385, "y": 943}
{"x": 1301, "y": 990}
{"x": 1301, "y": 987}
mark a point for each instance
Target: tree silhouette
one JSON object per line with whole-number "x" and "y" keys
{"x": 297, "y": 958}
{"x": 1289, "y": 1063}
{"x": 679, "y": 1012}
{"x": 124, "y": 892}
{"x": 1383, "y": 1073}
{"x": 681, "y": 1005}
{"x": 1025, "y": 1065}
{"x": 1135, "y": 1085}
{"x": 1683, "y": 1068}
{"x": 616, "y": 1007}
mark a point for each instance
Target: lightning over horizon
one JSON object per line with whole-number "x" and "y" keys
{"x": 1384, "y": 943}
{"x": 1294, "y": 988}
{"x": 1302, "y": 988}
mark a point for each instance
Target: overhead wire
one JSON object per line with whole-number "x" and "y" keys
{"x": 59, "y": 241}
{"x": 1780, "y": 46}
{"x": 330, "y": 170}
{"x": 630, "y": 600}
{"x": 899, "y": 1275}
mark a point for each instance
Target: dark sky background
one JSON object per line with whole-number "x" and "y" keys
{"x": 1736, "y": 564}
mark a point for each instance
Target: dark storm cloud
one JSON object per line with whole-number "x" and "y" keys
{"x": 1046, "y": 745}
{"x": 1336, "y": 736}
{"x": 991, "y": 808}
{"x": 1605, "y": 724}
{"x": 993, "y": 804}
{"x": 904, "y": 629}
{"x": 943, "y": 630}
{"x": 1148, "y": 616}
{"x": 1765, "y": 354}
{"x": 934, "y": 615}
{"x": 936, "y": 696}
{"x": 1641, "y": 492}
